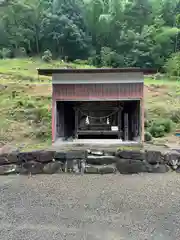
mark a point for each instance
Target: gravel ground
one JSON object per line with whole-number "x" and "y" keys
{"x": 90, "y": 207}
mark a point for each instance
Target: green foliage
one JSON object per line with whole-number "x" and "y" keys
{"x": 148, "y": 137}
{"x": 136, "y": 33}
{"x": 81, "y": 62}
{"x": 5, "y": 53}
{"x": 47, "y": 56}
{"x": 175, "y": 115}
{"x": 173, "y": 65}
{"x": 110, "y": 58}
{"x": 160, "y": 127}
{"x": 20, "y": 52}
{"x": 157, "y": 130}
{"x": 42, "y": 132}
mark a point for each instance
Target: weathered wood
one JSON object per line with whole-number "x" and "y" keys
{"x": 76, "y": 122}
{"x": 60, "y": 120}
{"x": 97, "y": 132}
{"x": 119, "y": 123}
{"x": 126, "y": 127}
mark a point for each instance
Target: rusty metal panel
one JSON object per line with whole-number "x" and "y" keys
{"x": 97, "y": 91}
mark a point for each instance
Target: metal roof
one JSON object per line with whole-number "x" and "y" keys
{"x": 50, "y": 71}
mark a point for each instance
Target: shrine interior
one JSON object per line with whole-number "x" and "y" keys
{"x": 98, "y": 120}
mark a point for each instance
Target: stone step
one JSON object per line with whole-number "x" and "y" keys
{"x": 100, "y": 169}
{"x": 101, "y": 160}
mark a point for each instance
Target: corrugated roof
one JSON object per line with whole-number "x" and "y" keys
{"x": 50, "y": 71}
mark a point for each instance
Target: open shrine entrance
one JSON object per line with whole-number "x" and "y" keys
{"x": 98, "y": 120}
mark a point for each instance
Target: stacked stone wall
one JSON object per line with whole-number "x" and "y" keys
{"x": 80, "y": 162}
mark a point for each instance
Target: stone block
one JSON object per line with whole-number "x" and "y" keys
{"x": 8, "y": 169}
{"x": 91, "y": 169}
{"x": 29, "y": 156}
{"x": 52, "y": 167}
{"x": 129, "y": 166}
{"x": 172, "y": 159}
{"x": 21, "y": 170}
{"x": 60, "y": 156}
{"x": 76, "y": 154}
{"x": 101, "y": 160}
{"x": 154, "y": 157}
{"x": 131, "y": 154}
{"x": 160, "y": 168}
{"x": 46, "y": 156}
{"x": 71, "y": 165}
{"x": 3, "y": 159}
{"x": 9, "y": 158}
{"x": 106, "y": 169}
{"x": 99, "y": 169}
{"x": 95, "y": 152}
{"x": 32, "y": 167}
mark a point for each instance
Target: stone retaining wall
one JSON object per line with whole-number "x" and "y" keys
{"x": 80, "y": 162}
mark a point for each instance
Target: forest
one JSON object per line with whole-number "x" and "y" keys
{"x": 114, "y": 33}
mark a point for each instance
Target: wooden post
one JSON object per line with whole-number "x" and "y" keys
{"x": 53, "y": 120}
{"x": 126, "y": 127}
{"x": 61, "y": 123}
{"x": 119, "y": 123}
{"x": 142, "y": 120}
{"x": 76, "y": 122}
{"x": 136, "y": 122}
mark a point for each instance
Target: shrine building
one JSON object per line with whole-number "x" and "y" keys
{"x": 97, "y": 103}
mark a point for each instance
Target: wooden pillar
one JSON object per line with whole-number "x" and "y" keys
{"x": 61, "y": 124}
{"x": 142, "y": 119}
{"x": 126, "y": 127}
{"x": 136, "y": 121}
{"x": 120, "y": 123}
{"x": 53, "y": 121}
{"x": 132, "y": 125}
{"x": 76, "y": 122}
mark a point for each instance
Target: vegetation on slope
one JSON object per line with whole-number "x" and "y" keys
{"x": 25, "y": 102}
{"x": 112, "y": 33}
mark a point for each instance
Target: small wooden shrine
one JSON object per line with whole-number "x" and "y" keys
{"x": 97, "y": 103}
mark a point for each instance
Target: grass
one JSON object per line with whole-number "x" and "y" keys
{"x": 21, "y": 70}
{"x": 25, "y": 103}
{"x": 160, "y": 82}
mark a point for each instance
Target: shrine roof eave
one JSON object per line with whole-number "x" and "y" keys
{"x": 51, "y": 71}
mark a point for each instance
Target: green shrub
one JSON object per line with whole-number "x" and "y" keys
{"x": 110, "y": 58}
{"x": 47, "y": 56}
{"x": 172, "y": 65}
{"x": 158, "y": 76}
{"x": 160, "y": 127}
{"x": 20, "y": 52}
{"x": 95, "y": 60}
{"x": 157, "y": 130}
{"x": 5, "y": 53}
{"x": 167, "y": 123}
{"x": 81, "y": 62}
{"x": 26, "y": 103}
{"x": 147, "y": 137}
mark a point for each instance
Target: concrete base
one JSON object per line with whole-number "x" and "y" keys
{"x": 92, "y": 144}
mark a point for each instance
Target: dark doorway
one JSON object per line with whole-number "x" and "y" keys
{"x": 65, "y": 119}
{"x": 98, "y": 120}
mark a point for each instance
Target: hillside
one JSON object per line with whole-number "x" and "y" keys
{"x": 25, "y": 102}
